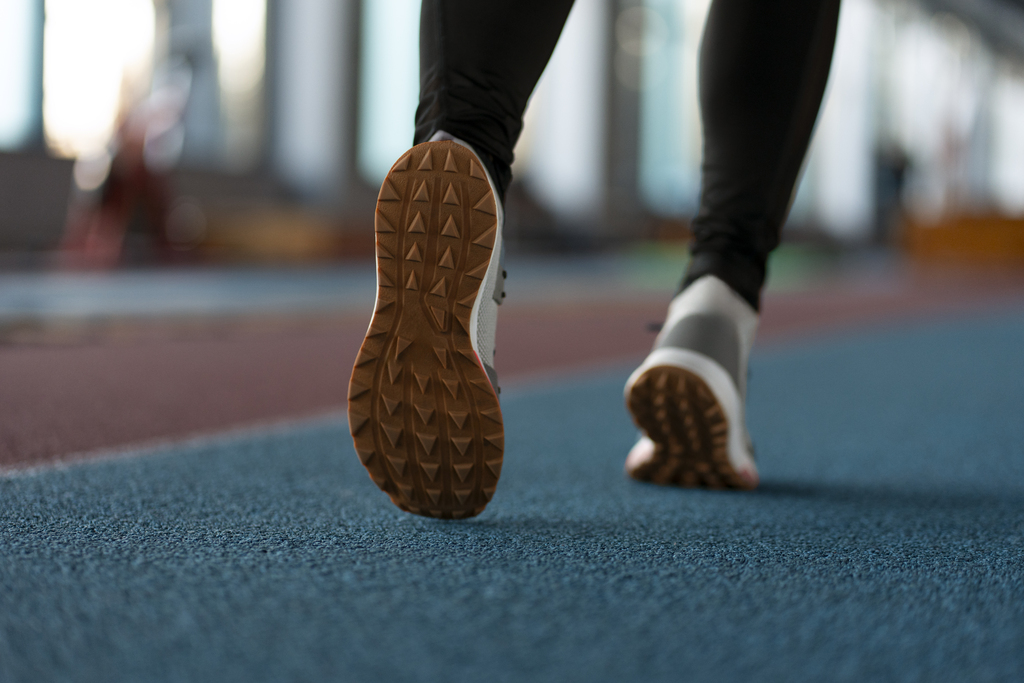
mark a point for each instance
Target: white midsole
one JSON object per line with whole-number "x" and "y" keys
{"x": 487, "y": 286}
{"x": 720, "y": 384}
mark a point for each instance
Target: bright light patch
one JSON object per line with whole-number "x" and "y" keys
{"x": 239, "y": 30}
{"x": 17, "y": 45}
{"x": 389, "y": 84}
{"x": 239, "y": 39}
{"x": 97, "y": 56}
{"x": 1008, "y": 137}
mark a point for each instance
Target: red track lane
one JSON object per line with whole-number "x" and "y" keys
{"x": 64, "y": 402}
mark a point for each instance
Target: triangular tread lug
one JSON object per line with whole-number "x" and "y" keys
{"x": 422, "y": 195}
{"x": 365, "y": 356}
{"x": 462, "y": 471}
{"x": 479, "y": 272}
{"x": 401, "y": 344}
{"x": 398, "y": 464}
{"x": 357, "y": 421}
{"x": 427, "y": 441}
{"x": 390, "y": 405}
{"x": 381, "y": 224}
{"x": 486, "y": 205}
{"x": 494, "y": 466}
{"x": 425, "y": 413}
{"x": 417, "y": 224}
{"x": 461, "y": 443}
{"x": 449, "y": 163}
{"x": 446, "y": 259}
{"x": 451, "y": 228}
{"x": 482, "y": 384}
{"x": 394, "y": 371}
{"x": 487, "y": 239}
{"x": 394, "y": 434}
{"x": 388, "y": 192}
{"x": 450, "y": 196}
{"x": 430, "y": 469}
{"x": 426, "y": 163}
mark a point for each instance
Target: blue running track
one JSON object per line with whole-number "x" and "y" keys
{"x": 885, "y": 544}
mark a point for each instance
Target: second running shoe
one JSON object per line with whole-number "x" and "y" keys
{"x": 423, "y": 399}
{"x": 688, "y": 394}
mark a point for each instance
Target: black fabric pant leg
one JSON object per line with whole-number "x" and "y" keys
{"x": 479, "y": 62}
{"x": 763, "y": 69}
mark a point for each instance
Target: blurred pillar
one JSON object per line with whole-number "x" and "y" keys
{"x": 624, "y": 214}
{"x": 566, "y": 168}
{"x": 21, "y": 74}
{"x": 314, "y": 77}
{"x": 192, "y": 38}
{"x": 843, "y": 153}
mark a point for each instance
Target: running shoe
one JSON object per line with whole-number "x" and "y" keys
{"x": 688, "y": 395}
{"x": 423, "y": 399}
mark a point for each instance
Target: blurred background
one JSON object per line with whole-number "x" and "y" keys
{"x": 207, "y": 169}
{"x": 258, "y": 130}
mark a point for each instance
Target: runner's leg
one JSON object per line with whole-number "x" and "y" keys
{"x": 763, "y": 69}
{"x": 479, "y": 62}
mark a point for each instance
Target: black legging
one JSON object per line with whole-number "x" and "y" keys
{"x": 763, "y": 68}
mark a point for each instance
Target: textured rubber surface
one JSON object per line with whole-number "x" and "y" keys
{"x": 880, "y": 547}
{"x": 689, "y": 428}
{"x": 422, "y": 412}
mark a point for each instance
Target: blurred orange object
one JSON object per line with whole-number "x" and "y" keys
{"x": 967, "y": 239}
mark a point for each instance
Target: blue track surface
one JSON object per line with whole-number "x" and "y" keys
{"x": 886, "y": 543}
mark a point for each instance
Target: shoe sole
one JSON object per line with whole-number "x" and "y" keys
{"x": 689, "y": 428}
{"x": 424, "y": 418}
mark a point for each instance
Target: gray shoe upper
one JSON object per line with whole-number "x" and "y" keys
{"x": 709, "y": 318}
{"x": 711, "y": 334}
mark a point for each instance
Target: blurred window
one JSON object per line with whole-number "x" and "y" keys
{"x": 239, "y": 41}
{"x": 1007, "y": 173}
{"x": 661, "y": 37}
{"x": 18, "y": 31}
{"x": 389, "y": 84}
{"x": 97, "y": 57}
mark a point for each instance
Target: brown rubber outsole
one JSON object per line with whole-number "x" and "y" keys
{"x": 425, "y": 420}
{"x": 689, "y": 428}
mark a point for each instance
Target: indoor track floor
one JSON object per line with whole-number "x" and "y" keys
{"x": 886, "y": 541}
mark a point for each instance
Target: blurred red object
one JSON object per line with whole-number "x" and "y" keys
{"x": 132, "y": 174}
